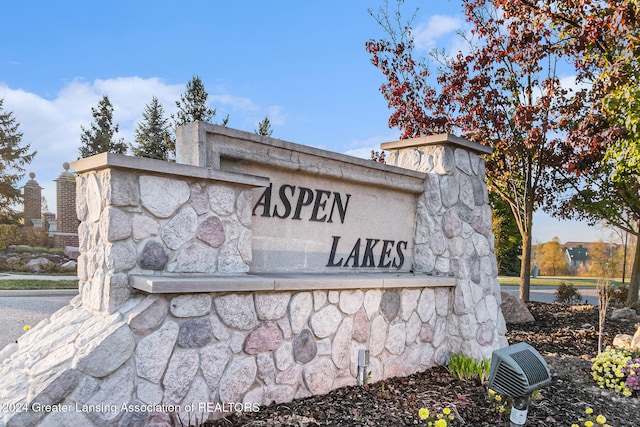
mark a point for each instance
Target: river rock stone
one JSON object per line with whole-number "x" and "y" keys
{"x": 341, "y": 346}
{"x": 271, "y": 306}
{"x": 237, "y": 311}
{"x": 325, "y": 322}
{"x": 190, "y": 305}
{"x": 390, "y": 305}
{"x": 299, "y": 310}
{"x": 318, "y": 376}
{"x": 154, "y": 350}
{"x": 238, "y": 378}
{"x": 266, "y": 337}
{"x": 163, "y": 196}
{"x": 213, "y": 361}
{"x": 351, "y": 301}
{"x": 180, "y": 229}
{"x": 222, "y": 199}
{"x": 147, "y": 315}
{"x": 179, "y": 376}
{"x": 304, "y": 347}
{"x": 195, "y": 333}
{"x": 211, "y": 231}
{"x": 107, "y": 352}
{"x": 153, "y": 256}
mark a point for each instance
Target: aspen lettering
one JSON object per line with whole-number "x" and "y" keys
{"x": 325, "y": 203}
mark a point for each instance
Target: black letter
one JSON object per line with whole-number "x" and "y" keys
{"x": 265, "y": 202}
{"x": 400, "y": 254}
{"x": 367, "y": 259}
{"x": 355, "y": 254}
{"x": 319, "y": 203}
{"x": 342, "y": 211}
{"x": 386, "y": 251}
{"x": 285, "y": 201}
{"x": 332, "y": 255}
{"x": 304, "y": 199}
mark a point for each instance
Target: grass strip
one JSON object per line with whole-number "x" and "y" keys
{"x": 28, "y": 285}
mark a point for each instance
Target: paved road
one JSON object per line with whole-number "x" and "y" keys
{"x": 547, "y": 293}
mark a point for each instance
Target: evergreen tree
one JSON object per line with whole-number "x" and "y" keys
{"x": 152, "y": 134}
{"x": 264, "y": 127}
{"x": 192, "y": 106}
{"x": 99, "y": 137}
{"x": 13, "y": 158}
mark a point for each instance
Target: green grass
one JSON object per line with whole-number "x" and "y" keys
{"x": 27, "y": 285}
{"x": 555, "y": 281}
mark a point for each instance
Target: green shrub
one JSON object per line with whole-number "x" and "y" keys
{"x": 23, "y": 249}
{"x": 9, "y": 235}
{"x": 567, "y": 294}
{"x": 618, "y": 295}
{"x": 464, "y": 367}
{"x": 55, "y": 251}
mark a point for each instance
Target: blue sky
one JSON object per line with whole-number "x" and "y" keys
{"x": 301, "y": 63}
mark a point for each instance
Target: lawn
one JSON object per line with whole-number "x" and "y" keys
{"x": 28, "y": 284}
{"x": 556, "y": 281}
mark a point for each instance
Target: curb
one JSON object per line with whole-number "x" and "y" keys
{"x": 39, "y": 293}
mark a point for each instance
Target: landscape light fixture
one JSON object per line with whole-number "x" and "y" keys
{"x": 363, "y": 363}
{"x": 516, "y": 371}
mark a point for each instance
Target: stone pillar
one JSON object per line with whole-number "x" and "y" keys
{"x": 67, "y": 219}
{"x": 32, "y": 201}
{"x": 454, "y": 237}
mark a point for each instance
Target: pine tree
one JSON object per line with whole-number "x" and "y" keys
{"x": 99, "y": 137}
{"x": 13, "y": 158}
{"x": 264, "y": 128}
{"x": 152, "y": 134}
{"x": 192, "y": 106}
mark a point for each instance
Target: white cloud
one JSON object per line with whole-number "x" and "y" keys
{"x": 53, "y": 126}
{"x": 362, "y": 148}
{"x": 427, "y": 36}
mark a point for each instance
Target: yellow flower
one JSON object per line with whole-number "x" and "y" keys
{"x": 26, "y": 327}
{"x": 575, "y": 425}
{"x": 588, "y": 423}
{"x": 440, "y": 423}
{"x": 600, "y": 419}
{"x": 423, "y": 413}
{"x": 491, "y": 392}
{"x": 589, "y": 411}
{"x": 446, "y": 411}
{"x": 498, "y": 398}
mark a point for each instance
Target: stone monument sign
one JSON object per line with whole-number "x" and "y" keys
{"x": 256, "y": 270}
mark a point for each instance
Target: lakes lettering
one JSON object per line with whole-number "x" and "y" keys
{"x": 369, "y": 256}
{"x": 325, "y": 206}
{"x": 325, "y": 203}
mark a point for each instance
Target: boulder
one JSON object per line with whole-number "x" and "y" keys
{"x": 514, "y": 310}
{"x": 72, "y": 252}
{"x": 36, "y": 264}
{"x": 622, "y": 341}
{"x": 628, "y": 314}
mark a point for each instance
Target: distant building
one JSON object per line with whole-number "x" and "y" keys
{"x": 577, "y": 257}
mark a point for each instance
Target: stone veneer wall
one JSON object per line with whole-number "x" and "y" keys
{"x": 114, "y": 345}
{"x": 453, "y": 236}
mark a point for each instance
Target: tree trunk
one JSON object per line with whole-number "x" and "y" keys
{"x": 634, "y": 282}
{"x": 525, "y": 267}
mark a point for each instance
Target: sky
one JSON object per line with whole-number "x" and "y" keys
{"x": 303, "y": 64}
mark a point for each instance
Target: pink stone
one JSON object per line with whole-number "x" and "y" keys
{"x": 211, "y": 231}
{"x": 361, "y": 327}
{"x": 266, "y": 337}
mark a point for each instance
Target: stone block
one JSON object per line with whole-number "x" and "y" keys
{"x": 180, "y": 229}
{"x": 299, "y": 310}
{"x": 190, "y": 305}
{"x": 195, "y": 333}
{"x": 237, "y": 379}
{"x": 194, "y": 257}
{"x": 237, "y": 311}
{"x": 271, "y": 306}
{"x": 163, "y": 196}
{"x": 179, "y": 376}
{"x": 325, "y": 322}
{"x": 147, "y": 315}
{"x": 351, "y": 301}
{"x": 304, "y": 347}
{"x": 153, "y": 256}
{"x": 390, "y": 305}
{"x": 107, "y": 352}
{"x": 211, "y": 231}
{"x": 514, "y": 310}
{"x": 222, "y": 199}
{"x": 341, "y": 346}
{"x": 213, "y": 362}
{"x": 318, "y": 376}
{"x": 266, "y": 337}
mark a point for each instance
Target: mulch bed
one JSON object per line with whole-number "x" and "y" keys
{"x": 566, "y": 336}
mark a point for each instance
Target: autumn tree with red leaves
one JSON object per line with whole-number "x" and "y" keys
{"x": 603, "y": 38}
{"x": 504, "y": 93}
